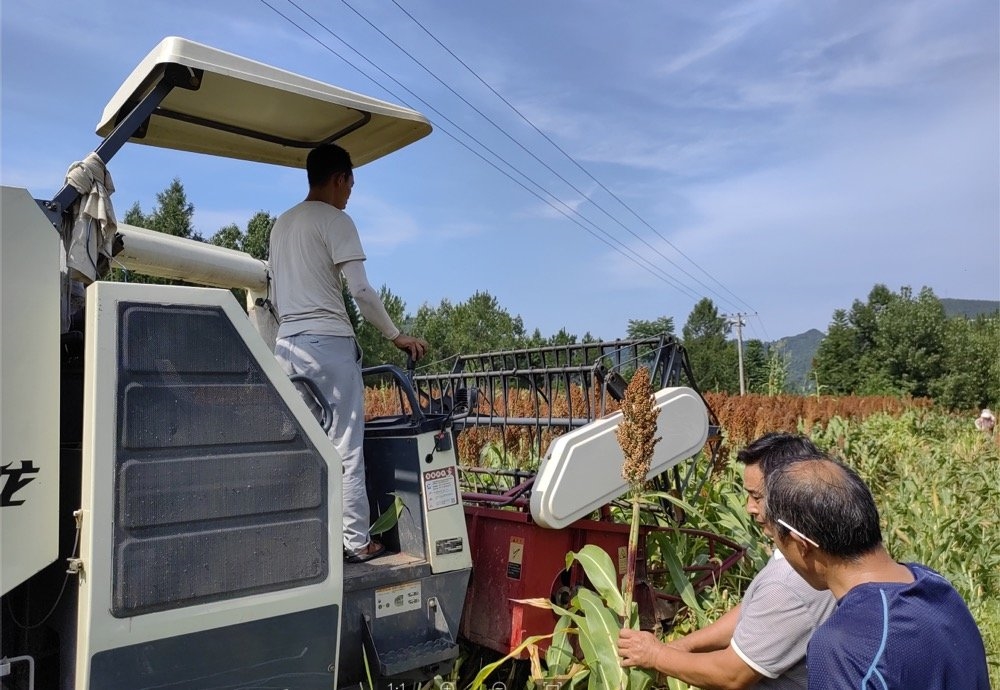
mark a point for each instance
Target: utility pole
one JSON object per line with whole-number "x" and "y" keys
{"x": 737, "y": 320}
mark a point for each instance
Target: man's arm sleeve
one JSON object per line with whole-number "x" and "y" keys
{"x": 774, "y": 630}
{"x": 368, "y": 299}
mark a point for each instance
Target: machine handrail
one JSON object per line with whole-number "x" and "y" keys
{"x": 405, "y": 385}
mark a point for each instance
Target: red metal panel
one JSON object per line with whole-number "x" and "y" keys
{"x": 513, "y": 558}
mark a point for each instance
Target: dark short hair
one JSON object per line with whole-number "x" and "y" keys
{"x": 777, "y": 448}
{"x": 325, "y": 161}
{"x": 827, "y": 501}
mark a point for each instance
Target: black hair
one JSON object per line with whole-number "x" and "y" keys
{"x": 775, "y": 449}
{"x": 828, "y": 502}
{"x": 325, "y": 161}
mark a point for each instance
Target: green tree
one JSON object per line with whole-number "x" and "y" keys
{"x": 909, "y": 342}
{"x": 971, "y": 364}
{"x": 713, "y": 358}
{"x": 836, "y": 364}
{"x": 705, "y": 322}
{"x": 865, "y": 316}
{"x": 254, "y": 241}
{"x": 477, "y": 325}
{"x": 755, "y": 366}
{"x": 258, "y": 235}
{"x": 563, "y": 337}
{"x": 641, "y": 328}
{"x": 230, "y": 237}
{"x": 134, "y": 216}
{"x": 536, "y": 339}
{"x": 173, "y": 214}
{"x": 901, "y": 344}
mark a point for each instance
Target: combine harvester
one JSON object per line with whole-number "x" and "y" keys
{"x": 166, "y": 508}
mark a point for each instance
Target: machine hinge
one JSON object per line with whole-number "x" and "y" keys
{"x": 74, "y": 565}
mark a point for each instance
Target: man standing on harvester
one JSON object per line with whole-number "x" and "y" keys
{"x": 314, "y": 250}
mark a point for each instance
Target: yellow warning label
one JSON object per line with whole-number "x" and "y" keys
{"x": 515, "y": 556}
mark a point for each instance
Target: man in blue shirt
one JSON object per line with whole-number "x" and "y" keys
{"x": 896, "y": 626}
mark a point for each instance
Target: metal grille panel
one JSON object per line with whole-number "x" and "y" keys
{"x": 218, "y": 493}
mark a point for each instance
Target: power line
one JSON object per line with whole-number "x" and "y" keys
{"x": 564, "y": 153}
{"x": 518, "y": 143}
{"x": 638, "y": 259}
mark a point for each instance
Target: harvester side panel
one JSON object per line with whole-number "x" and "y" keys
{"x": 29, "y": 389}
{"x": 207, "y": 521}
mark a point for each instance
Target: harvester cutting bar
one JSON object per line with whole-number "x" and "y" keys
{"x": 508, "y": 407}
{"x": 555, "y": 387}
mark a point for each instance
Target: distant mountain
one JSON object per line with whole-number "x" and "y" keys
{"x": 970, "y": 308}
{"x": 800, "y": 350}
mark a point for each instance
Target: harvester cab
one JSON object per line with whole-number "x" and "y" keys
{"x": 171, "y": 511}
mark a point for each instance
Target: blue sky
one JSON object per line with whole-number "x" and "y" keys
{"x": 778, "y": 157}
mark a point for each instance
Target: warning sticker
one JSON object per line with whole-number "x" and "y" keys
{"x": 441, "y": 488}
{"x": 622, "y": 559}
{"x": 515, "y": 556}
{"x": 397, "y": 599}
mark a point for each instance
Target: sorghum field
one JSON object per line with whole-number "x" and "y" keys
{"x": 935, "y": 477}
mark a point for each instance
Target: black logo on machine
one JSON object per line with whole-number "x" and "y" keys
{"x": 14, "y": 479}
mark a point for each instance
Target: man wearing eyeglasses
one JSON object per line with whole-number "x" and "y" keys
{"x": 897, "y": 626}
{"x": 762, "y": 641}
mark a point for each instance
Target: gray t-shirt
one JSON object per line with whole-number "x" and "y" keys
{"x": 308, "y": 244}
{"x": 779, "y": 613}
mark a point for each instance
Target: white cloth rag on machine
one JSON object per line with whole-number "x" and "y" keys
{"x": 93, "y": 231}
{"x": 88, "y": 234}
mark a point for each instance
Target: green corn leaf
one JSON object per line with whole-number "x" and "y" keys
{"x": 602, "y": 628}
{"x": 680, "y": 580}
{"x": 485, "y": 672}
{"x": 368, "y": 670}
{"x": 578, "y": 678}
{"x": 679, "y": 502}
{"x": 639, "y": 679}
{"x": 387, "y": 520}
{"x": 601, "y": 572}
{"x": 559, "y": 655}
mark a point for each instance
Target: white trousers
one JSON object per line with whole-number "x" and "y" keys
{"x": 334, "y": 363}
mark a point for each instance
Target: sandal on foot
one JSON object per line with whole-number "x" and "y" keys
{"x": 373, "y": 550}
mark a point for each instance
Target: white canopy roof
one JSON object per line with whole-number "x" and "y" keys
{"x": 248, "y": 110}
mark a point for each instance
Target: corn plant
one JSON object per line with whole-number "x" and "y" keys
{"x": 589, "y": 624}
